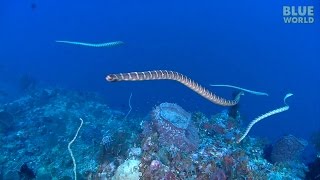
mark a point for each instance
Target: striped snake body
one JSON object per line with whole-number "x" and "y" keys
{"x": 263, "y": 116}
{"x": 96, "y": 45}
{"x": 172, "y": 75}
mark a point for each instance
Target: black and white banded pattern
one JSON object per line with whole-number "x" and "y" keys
{"x": 172, "y": 75}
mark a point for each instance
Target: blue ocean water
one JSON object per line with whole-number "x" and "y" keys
{"x": 242, "y": 43}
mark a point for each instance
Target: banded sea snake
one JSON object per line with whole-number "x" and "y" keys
{"x": 263, "y": 116}
{"x": 97, "y": 45}
{"x": 172, "y": 75}
{"x": 242, "y": 89}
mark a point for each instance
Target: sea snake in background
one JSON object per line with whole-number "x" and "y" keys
{"x": 242, "y": 89}
{"x": 171, "y": 75}
{"x": 98, "y": 45}
{"x": 270, "y": 113}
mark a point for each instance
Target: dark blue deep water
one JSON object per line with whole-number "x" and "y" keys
{"x": 242, "y": 43}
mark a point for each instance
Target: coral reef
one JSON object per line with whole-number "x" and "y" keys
{"x": 287, "y": 149}
{"x": 174, "y": 127}
{"x": 218, "y": 156}
{"x": 315, "y": 139}
{"x": 46, "y": 120}
{"x": 6, "y": 121}
{"x": 168, "y": 144}
{"x": 314, "y": 170}
{"x": 128, "y": 170}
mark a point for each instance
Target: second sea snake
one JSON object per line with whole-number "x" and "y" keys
{"x": 242, "y": 89}
{"x": 108, "y": 44}
{"x": 263, "y": 116}
{"x": 172, "y": 75}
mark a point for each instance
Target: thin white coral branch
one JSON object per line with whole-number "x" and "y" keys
{"x": 70, "y": 151}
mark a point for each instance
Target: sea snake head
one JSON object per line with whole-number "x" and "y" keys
{"x": 112, "y": 78}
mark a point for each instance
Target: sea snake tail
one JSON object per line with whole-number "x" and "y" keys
{"x": 242, "y": 89}
{"x": 171, "y": 75}
{"x": 270, "y": 113}
{"x": 98, "y": 45}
